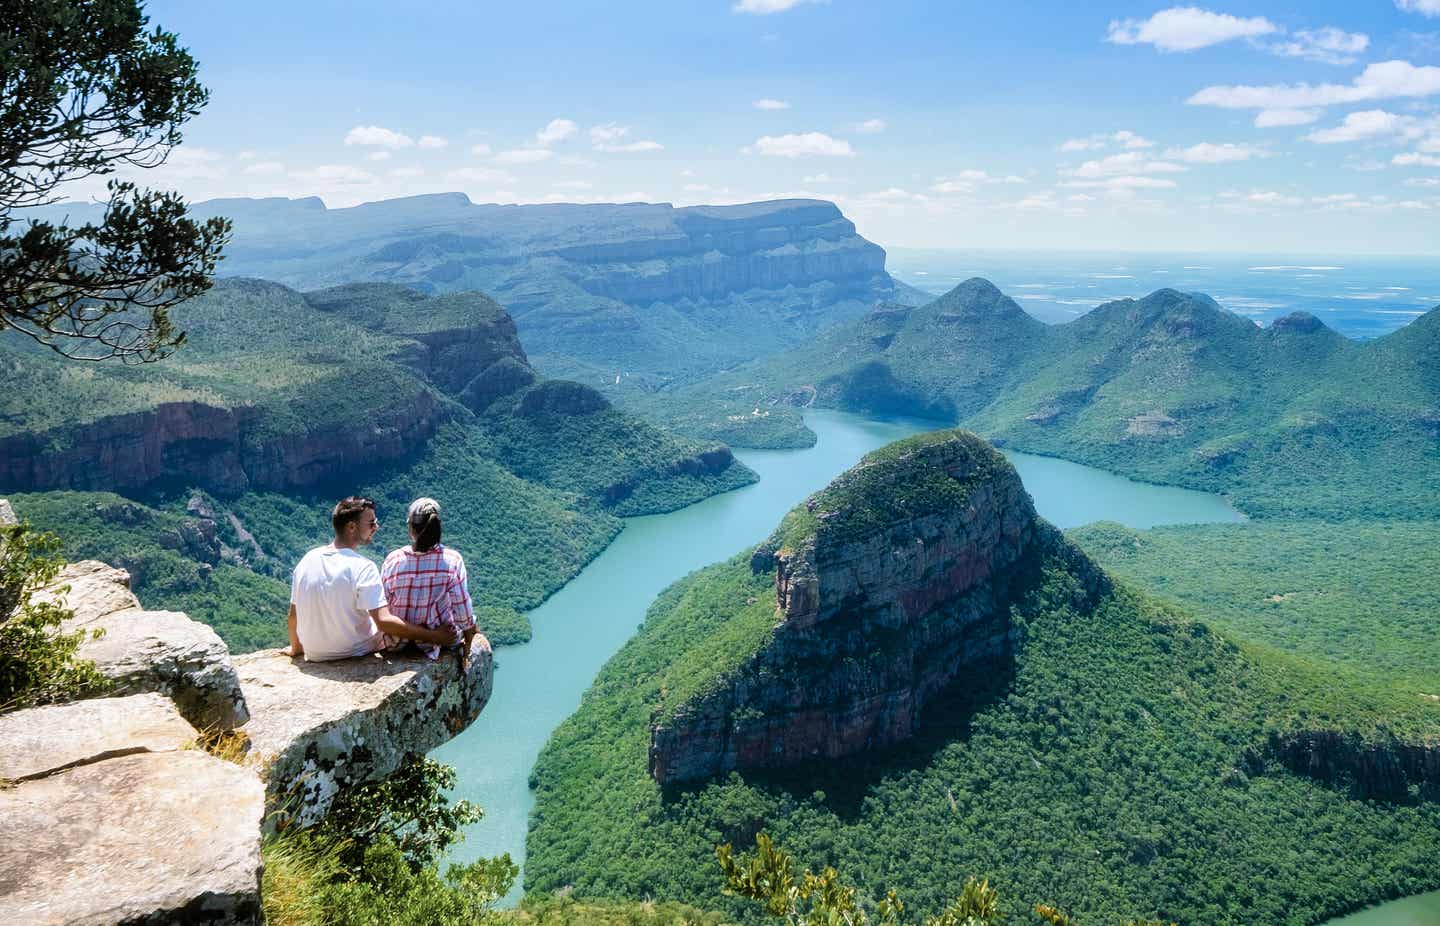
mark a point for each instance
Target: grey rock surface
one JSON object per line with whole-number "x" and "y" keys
{"x": 318, "y": 727}
{"x": 7, "y": 514}
{"x": 40, "y": 741}
{"x": 168, "y": 837}
{"x": 141, "y": 651}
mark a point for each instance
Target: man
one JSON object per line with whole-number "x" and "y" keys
{"x": 337, "y": 605}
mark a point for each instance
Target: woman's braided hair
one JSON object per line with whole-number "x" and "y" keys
{"x": 424, "y": 518}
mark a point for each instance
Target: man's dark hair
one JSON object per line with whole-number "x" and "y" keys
{"x": 349, "y": 510}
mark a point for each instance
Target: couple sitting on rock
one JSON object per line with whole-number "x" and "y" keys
{"x": 342, "y": 606}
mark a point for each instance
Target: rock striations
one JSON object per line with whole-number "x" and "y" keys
{"x": 892, "y": 584}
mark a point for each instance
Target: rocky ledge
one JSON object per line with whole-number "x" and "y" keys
{"x": 318, "y": 727}
{"x": 139, "y": 650}
{"x": 892, "y": 584}
{"x": 1381, "y": 767}
{"x": 114, "y": 813}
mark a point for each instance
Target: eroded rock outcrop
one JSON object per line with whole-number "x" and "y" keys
{"x": 1384, "y": 767}
{"x": 226, "y": 450}
{"x": 318, "y": 727}
{"x": 892, "y": 584}
{"x": 41, "y": 741}
{"x": 154, "y": 837}
{"x": 140, "y": 651}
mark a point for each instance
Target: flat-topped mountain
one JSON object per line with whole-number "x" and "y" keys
{"x": 917, "y": 680}
{"x": 611, "y": 289}
{"x": 1172, "y": 388}
{"x": 891, "y": 586}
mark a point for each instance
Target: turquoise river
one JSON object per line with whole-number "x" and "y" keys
{"x": 539, "y": 684}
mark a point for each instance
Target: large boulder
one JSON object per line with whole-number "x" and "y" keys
{"x": 318, "y": 727}
{"x": 41, "y": 741}
{"x": 140, "y": 651}
{"x": 7, "y": 514}
{"x": 168, "y": 837}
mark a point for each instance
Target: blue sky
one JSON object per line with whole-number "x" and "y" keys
{"x": 1240, "y": 126}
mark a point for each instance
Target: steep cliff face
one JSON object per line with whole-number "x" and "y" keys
{"x": 1385, "y": 768}
{"x": 224, "y": 449}
{"x": 891, "y": 585}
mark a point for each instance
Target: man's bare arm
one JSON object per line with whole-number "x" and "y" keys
{"x": 395, "y": 627}
{"x": 295, "y": 648}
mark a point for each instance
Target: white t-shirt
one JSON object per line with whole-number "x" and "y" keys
{"x": 333, "y": 592}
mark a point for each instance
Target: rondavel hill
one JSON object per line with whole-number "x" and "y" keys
{"x": 207, "y": 474}
{"x": 916, "y": 679}
{"x": 1291, "y": 420}
{"x": 600, "y": 291}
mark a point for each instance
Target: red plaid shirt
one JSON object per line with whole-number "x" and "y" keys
{"x": 428, "y": 590}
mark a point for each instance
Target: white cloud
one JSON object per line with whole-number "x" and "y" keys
{"x": 1210, "y": 153}
{"x": 1131, "y": 162}
{"x": 1370, "y": 123}
{"x": 246, "y": 156}
{"x": 1423, "y": 7}
{"x": 870, "y": 126}
{"x": 965, "y": 181}
{"x": 1411, "y": 159}
{"x": 335, "y": 175}
{"x": 1384, "y": 80}
{"x": 765, "y": 7}
{"x": 1122, "y": 183}
{"x": 1328, "y": 45}
{"x": 646, "y": 145}
{"x": 375, "y": 136}
{"x": 407, "y": 172}
{"x": 524, "y": 156}
{"x": 481, "y": 150}
{"x": 431, "y": 142}
{"x": 1186, "y": 28}
{"x": 572, "y": 185}
{"x": 1124, "y": 138}
{"x": 818, "y": 178}
{"x": 610, "y": 137}
{"x": 265, "y": 168}
{"x": 1423, "y": 181}
{"x": 479, "y": 175}
{"x": 193, "y": 163}
{"x": 801, "y": 145}
{"x": 1130, "y": 140}
{"x": 1263, "y": 198}
{"x": 770, "y": 104}
{"x": 556, "y": 130}
{"x": 1272, "y": 118}
{"x": 378, "y": 156}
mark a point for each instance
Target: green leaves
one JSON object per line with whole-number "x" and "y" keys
{"x": 86, "y": 92}
{"x": 37, "y": 662}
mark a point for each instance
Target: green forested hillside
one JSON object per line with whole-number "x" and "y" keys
{"x": 1361, "y": 595}
{"x": 1292, "y": 420}
{"x": 431, "y": 396}
{"x": 1131, "y": 760}
{"x": 1119, "y": 768}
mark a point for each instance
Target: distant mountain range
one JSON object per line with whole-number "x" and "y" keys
{"x": 641, "y": 290}
{"x": 1291, "y": 419}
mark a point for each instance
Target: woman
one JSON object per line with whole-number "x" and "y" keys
{"x": 425, "y": 583}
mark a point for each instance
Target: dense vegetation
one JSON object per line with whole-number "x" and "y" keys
{"x": 1119, "y": 769}
{"x": 1361, "y": 595}
{"x": 533, "y": 474}
{"x": 38, "y": 662}
{"x": 1292, "y": 420}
